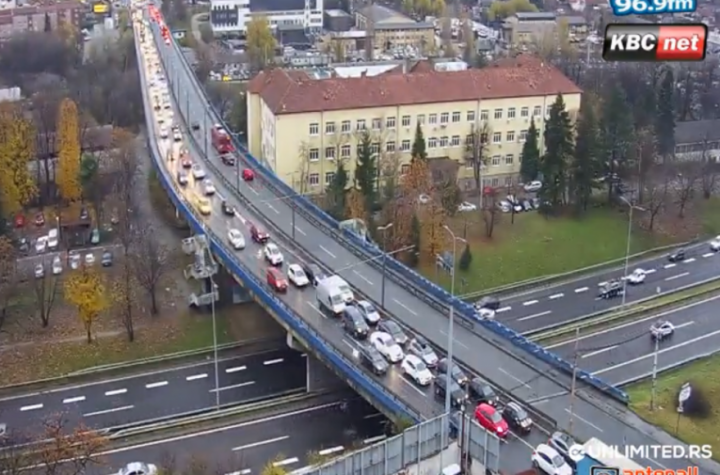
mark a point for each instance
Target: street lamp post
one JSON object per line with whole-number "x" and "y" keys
{"x": 627, "y": 249}
{"x": 383, "y": 230}
{"x": 451, "y": 323}
{"x": 215, "y": 344}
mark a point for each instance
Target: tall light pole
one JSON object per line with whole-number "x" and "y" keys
{"x": 383, "y": 230}
{"x": 653, "y": 391}
{"x": 215, "y": 344}
{"x": 451, "y": 323}
{"x": 627, "y": 250}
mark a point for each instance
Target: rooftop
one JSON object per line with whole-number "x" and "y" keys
{"x": 279, "y": 5}
{"x": 295, "y": 92}
{"x": 335, "y": 13}
{"x": 380, "y": 13}
{"x": 697, "y": 131}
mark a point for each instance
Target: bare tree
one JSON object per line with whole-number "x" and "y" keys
{"x": 46, "y": 290}
{"x": 125, "y": 171}
{"x": 8, "y": 276}
{"x": 151, "y": 263}
{"x": 490, "y": 212}
{"x": 222, "y": 95}
{"x": 684, "y": 185}
{"x": 66, "y": 450}
{"x": 655, "y": 197}
{"x": 477, "y": 144}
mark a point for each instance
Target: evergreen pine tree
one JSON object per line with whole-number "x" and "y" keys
{"x": 418, "y": 146}
{"x": 558, "y": 152}
{"x": 414, "y": 241}
{"x": 530, "y": 157}
{"x": 587, "y": 163}
{"x": 616, "y": 132}
{"x": 335, "y": 192}
{"x": 665, "y": 116}
{"x": 366, "y": 170}
{"x": 465, "y": 259}
{"x": 48, "y": 23}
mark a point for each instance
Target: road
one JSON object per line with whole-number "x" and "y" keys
{"x": 525, "y": 376}
{"x": 626, "y": 352}
{"x": 159, "y": 394}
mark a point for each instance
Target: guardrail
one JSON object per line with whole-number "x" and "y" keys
{"x": 293, "y": 321}
{"x": 421, "y": 287}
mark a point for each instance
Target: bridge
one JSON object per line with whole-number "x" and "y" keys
{"x": 305, "y": 233}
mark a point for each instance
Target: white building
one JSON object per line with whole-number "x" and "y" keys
{"x": 232, "y": 16}
{"x": 8, "y": 4}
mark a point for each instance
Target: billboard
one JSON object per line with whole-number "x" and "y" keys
{"x": 101, "y": 8}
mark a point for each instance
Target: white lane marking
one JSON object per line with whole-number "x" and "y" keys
{"x": 708, "y": 254}
{"x": 523, "y": 441}
{"x": 159, "y": 384}
{"x": 71, "y": 400}
{"x": 273, "y": 208}
{"x": 455, "y": 340}
{"x": 196, "y": 376}
{"x": 362, "y": 277}
{"x": 405, "y": 306}
{"x": 504, "y": 309}
{"x": 530, "y": 302}
{"x": 669, "y": 266}
{"x": 581, "y": 290}
{"x": 222, "y": 198}
{"x": 289, "y": 461}
{"x": 373, "y": 440}
{"x": 32, "y": 407}
{"x": 584, "y": 420}
{"x": 412, "y": 385}
{"x": 677, "y": 276}
{"x": 235, "y": 369}
{"x": 684, "y": 324}
{"x": 598, "y": 352}
{"x": 515, "y": 378}
{"x": 234, "y": 386}
{"x": 108, "y": 411}
{"x": 272, "y": 362}
{"x": 651, "y": 271}
{"x": 315, "y": 308}
{"x": 115, "y": 392}
{"x": 352, "y": 347}
{"x": 238, "y": 216}
{"x": 247, "y": 471}
{"x": 261, "y": 443}
{"x": 556, "y": 296}
{"x": 530, "y": 317}
{"x": 253, "y": 190}
{"x": 331, "y": 450}
{"x": 688, "y": 261}
{"x": 297, "y": 228}
{"x": 327, "y": 252}
{"x": 373, "y": 416}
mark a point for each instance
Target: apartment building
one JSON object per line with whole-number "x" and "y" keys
{"x": 32, "y": 17}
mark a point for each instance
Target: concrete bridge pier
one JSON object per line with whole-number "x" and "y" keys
{"x": 320, "y": 377}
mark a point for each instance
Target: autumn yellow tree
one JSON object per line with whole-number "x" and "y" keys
{"x": 85, "y": 290}
{"x": 260, "y": 42}
{"x": 417, "y": 180}
{"x": 433, "y": 234}
{"x": 68, "y": 138}
{"x": 355, "y": 205}
{"x": 17, "y": 149}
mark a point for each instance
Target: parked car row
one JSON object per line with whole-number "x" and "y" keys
{"x": 74, "y": 260}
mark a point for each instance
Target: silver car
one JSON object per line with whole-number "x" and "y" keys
{"x": 419, "y": 347}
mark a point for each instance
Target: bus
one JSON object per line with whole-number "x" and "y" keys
{"x": 599, "y": 453}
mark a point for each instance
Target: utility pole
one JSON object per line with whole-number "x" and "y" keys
{"x": 369, "y": 31}
{"x": 654, "y": 374}
{"x": 573, "y": 383}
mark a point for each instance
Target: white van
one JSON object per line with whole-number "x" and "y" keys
{"x": 340, "y": 283}
{"x": 53, "y": 236}
{"x": 329, "y": 297}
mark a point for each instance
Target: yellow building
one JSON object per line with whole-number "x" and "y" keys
{"x": 302, "y": 126}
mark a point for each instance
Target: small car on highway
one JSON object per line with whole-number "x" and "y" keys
{"x": 276, "y": 280}
{"x": 419, "y": 347}
{"x": 368, "y": 311}
{"x": 662, "y": 330}
{"x": 715, "y": 244}
{"x": 297, "y": 276}
{"x": 248, "y": 175}
{"x": 414, "y": 368}
{"x": 548, "y": 460}
{"x": 637, "y": 277}
{"x": 610, "y": 289}
{"x": 354, "y": 324}
{"x": 458, "y": 396}
{"x": 387, "y": 346}
{"x": 259, "y": 235}
{"x": 372, "y": 359}
{"x": 273, "y": 254}
{"x": 182, "y": 177}
{"x": 198, "y": 172}
{"x": 227, "y": 159}
{"x": 444, "y": 365}
{"x": 208, "y": 187}
{"x": 481, "y": 392}
{"x": 236, "y": 239}
{"x": 490, "y": 418}
{"x": 314, "y": 273}
{"x": 677, "y": 255}
{"x": 394, "y": 330}
{"x": 228, "y": 209}
{"x": 517, "y": 417}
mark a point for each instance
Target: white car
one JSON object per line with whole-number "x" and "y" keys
{"x": 387, "y": 347}
{"x": 637, "y": 277}
{"x": 75, "y": 261}
{"x": 39, "y": 271}
{"x": 198, "y": 172}
{"x": 57, "y": 266}
{"x": 273, "y": 254}
{"x": 52, "y": 237}
{"x": 532, "y": 186}
{"x": 661, "y": 330}
{"x": 41, "y": 244}
{"x": 138, "y": 468}
{"x": 368, "y": 311}
{"x": 297, "y": 275}
{"x": 550, "y": 461}
{"x": 163, "y": 133}
{"x": 416, "y": 369}
{"x": 208, "y": 187}
{"x": 177, "y": 136}
{"x": 715, "y": 244}
{"x": 466, "y": 206}
{"x": 90, "y": 259}
{"x": 236, "y": 238}
{"x": 486, "y": 313}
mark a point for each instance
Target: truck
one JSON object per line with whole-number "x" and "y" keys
{"x": 330, "y": 297}
{"x": 221, "y": 140}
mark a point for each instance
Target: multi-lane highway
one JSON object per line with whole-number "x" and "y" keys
{"x": 625, "y": 353}
{"x": 159, "y": 394}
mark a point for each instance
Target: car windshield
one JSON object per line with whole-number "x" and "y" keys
{"x": 336, "y": 299}
{"x": 487, "y": 390}
{"x": 456, "y": 371}
{"x": 420, "y": 366}
{"x": 425, "y": 351}
{"x": 376, "y": 357}
{"x": 494, "y": 416}
{"x": 368, "y": 308}
{"x": 520, "y": 413}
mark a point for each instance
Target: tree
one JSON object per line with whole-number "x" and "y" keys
{"x": 417, "y": 180}
{"x": 665, "y": 117}
{"x": 85, "y": 290}
{"x": 180, "y": 11}
{"x": 655, "y": 197}
{"x": 558, "y": 152}
{"x": 46, "y": 290}
{"x": 490, "y": 212}
{"x": 223, "y": 96}
{"x": 260, "y": 44}
{"x": 419, "y": 151}
{"x": 503, "y": 9}
{"x": 62, "y": 449}
{"x": 273, "y": 468}
{"x": 366, "y": 170}
{"x": 415, "y": 241}
{"x": 450, "y": 197}
{"x": 355, "y": 205}
{"x": 616, "y": 131}
{"x": 17, "y": 151}
{"x": 124, "y": 294}
{"x": 206, "y": 33}
{"x": 48, "y": 25}
{"x": 92, "y": 187}
{"x": 465, "y": 258}
{"x": 476, "y": 153}
{"x": 530, "y": 156}
{"x": 586, "y": 162}
{"x": 335, "y": 191}
{"x": 68, "y": 171}
{"x": 151, "y": 265}
{"x": 687, "y": 177}
{"x": 8, "y": 276}
{"x": 434, "y": 235}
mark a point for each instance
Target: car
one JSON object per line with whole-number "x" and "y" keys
{"x": 276, "y": 280}
{"x": 53, "y": 238}
{"x": 204, "y": 206}
{"x": 485, "y": 313}
{"x": 481, "y": 392}
{"x": 166, "y": 105}
{"x": 107, "y": 259}
{"x": 228, "y": 159}
{"x": 89, "y": 259}
{"x": 177, "y": 136}
{"x": 236, "y": 239}
{"x": 661, "y": 330}
{"x": 208, "y": 187}
{"x": 466, "y": 206}
{"x": 138, "y": 468}
{"x": 563, "y": 443}
{"x": 636, "y": 277}
{"x": 610, "y": 289}
{"x": 273, "y": 254}
{"x": 414, "y": 368}
{"x": 457, "y": 374}
{"x": 371, "y": 358}
{"x": 259, "y": 235}
{"x": 197, "y": 171}
{"x": 23, "y": 245}
{"x": 39, "y": 271}
{"x": 227, "y": 208}
{"x": 74, "y": 259}
{"x": 489, "y": 417}
{"x": 248, "y": 175}
{"x": 314, "y": 273}
{"x": 195, "y": 125}
{"x": 533, "y": 186}
{"x": 163, "y": 132}
{"x": 297, "y": 276}
{"x": 548, "y": 460}
{"x": 368, "y": 311}
{"x": 457, "y": 394}
{"x": 387, "y": 346}
{"x": 394, "y": 330}
{"x": 39, "y": 220}
{"x": 57, "y": 266}
{"x": 489, "y": 301}
{"x": 94, "y": 237}
{"x": 185, "y": 162}
{"x": 354, "y": 324}
{"x": 182, "y": 177}
{"x": 715, "y": 244}
{"x": 41, "y": 244}
{"x": 419, "y": 347}
{"x": 19, "y": 220}
{"x": 677, "y": 255}
{"x": 517, "y": 417}
{"x": 84, "y": 214}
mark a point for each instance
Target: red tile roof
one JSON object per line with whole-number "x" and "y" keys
{"x": 293, "y": 91}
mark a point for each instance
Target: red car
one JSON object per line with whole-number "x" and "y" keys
{"x": 19, "y": 220}
{"x": 259, "y": 235}
{"x": 248, "y": 175}
{"x": 186, "y": 162}
{"x": 276, "y": 280}
{"x": 39, "y": 219}
{"x": 490, "y": 418}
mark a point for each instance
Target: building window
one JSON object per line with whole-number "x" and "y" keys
{"x": 471, "y": 116}
{"x": 406, "y": 121}
{"x": 377, "y": 124}
{"x": 390, "y": 147}
{"x": 497, "y": 113}
{"x": 432, "y": 119}
{"x": 494, "y": 182}
{"x": 432, "y": 142}
{"x": 443, "y": 142}
{"x": 524, "y": 112}
{"x": 313, "y": 154}
{"x": 495, "y": 160}
{"x": 455, "y": 141}
{"x": 346, "y": 126}
{"x": 469, "y": 140}
{"x": 329, "y": 177}
{"x": 330, "y": 128}
{"x": 361, "y": 124}
{"x": 537, "y": 110}
{"x": 405, "y": 169}
{"x": 523, "y": 135}
{"x": 497, "y": 137}
{"x": 314, "y": 129}
{"x": 330, "y": 153}
{"x": 484, "y": 115}
{"x": 405, "y": 146}
{"x": 313, "y": 179}
{"x": 375, "y": 148}
{"x": 508, "y": 181}
{"x": 456, "y": 116}
{"x": 390, "y": 123}
{"x": 511, "y": 113}
{"x": 510, "y": 136}
{"x": 444, "y": 118}
{"x": 509, "y": 158}
{"x": 345, "y": 151}
{"x": 421, "y": 119}
{"x": 547, "y": 111}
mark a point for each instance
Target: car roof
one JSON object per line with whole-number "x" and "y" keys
{"x": 274, "y": 271}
